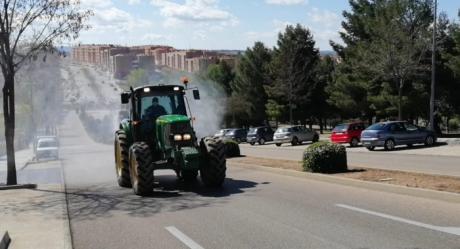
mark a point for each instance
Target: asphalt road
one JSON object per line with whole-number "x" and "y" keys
{"x": 431, "y": 164}
{"x": 254, "y": 209}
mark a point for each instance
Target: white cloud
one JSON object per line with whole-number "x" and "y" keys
{"x": 110, "y": 19}
{"x": 116, "y": 20}
{"x": 324, "y": 25}
{"x": 133, "y": 2}
{"x": 96, "y": 3}
{"x": 286, "y": 2}
{"x": 153, "y": 38}
{"x": 206, "y": 12}
{"x": 324, "y": 17}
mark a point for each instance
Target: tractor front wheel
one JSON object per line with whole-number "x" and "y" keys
{"x": 189, "y": 175}
{"x": 141, "y": 169}
{"x": 214, "y": 167}
{"x": 122, "y": 159}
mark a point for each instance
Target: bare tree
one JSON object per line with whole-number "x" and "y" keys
{"x": 27, "y": 28}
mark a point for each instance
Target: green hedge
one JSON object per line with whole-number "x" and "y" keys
{"x": 232, "y": 149}
{"x": 325, "y": 157}
{"x": 454, "y": 124}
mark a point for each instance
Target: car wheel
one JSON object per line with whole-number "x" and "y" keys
{"x": 252, "y": 143}
{"x": 278, "y": 145}
{"x": 370, "y": 148}
{"x": 261, "y": 141}
{"x": 238, "y": 140}
{"x": 295, "y": 141}
{"x": 315, "y": 138}
{"x": 429, "y": 141}
{"x": 389, "y": 144}
{"x": 354, "y": 142}
{"x": 410, "y": 145}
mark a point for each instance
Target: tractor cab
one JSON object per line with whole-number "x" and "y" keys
{"x": 156, "y": 112}
{"x": 159, "y": 134}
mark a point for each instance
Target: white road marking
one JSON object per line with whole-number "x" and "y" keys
{"x": 451, "y": 230}
{"x": 183, "y": 238}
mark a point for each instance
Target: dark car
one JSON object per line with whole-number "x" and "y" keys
{"x": 239, "y": 135}
{"x": 391, "y": 134}
{"x": 260, "y": 135}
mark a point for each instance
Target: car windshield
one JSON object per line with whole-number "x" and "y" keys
{"x": 230, "y": 132}
{"x": 283, "y": 130}
{"x": 44, "y": 144}
{"x": 377, "y": 127}
{"x": 341, "y": 127}
{"x": 153, "y": 106}
{"x": 252, "y": 131}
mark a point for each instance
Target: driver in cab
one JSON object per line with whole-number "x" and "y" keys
{"x": 155, "y": 110}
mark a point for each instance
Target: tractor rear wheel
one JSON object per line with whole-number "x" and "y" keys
{"x": 213, "y": 170}
{"x": 141, "y": 169}
{"x": 122, "y": 159}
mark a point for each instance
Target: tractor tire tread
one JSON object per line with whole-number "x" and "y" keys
{"x": 145, "y": 171}
{"x": 213, "y": 171}
{"x": 124, "y": 180}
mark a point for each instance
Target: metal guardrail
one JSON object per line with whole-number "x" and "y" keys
{"x": 5, "y": 242}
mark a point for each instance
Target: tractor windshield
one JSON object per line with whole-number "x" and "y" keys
{"x": 153, "y": 106}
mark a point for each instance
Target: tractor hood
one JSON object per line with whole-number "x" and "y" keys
{"x": 170, "y": 119}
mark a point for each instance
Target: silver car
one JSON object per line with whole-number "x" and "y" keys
{"x": 46, "y": 148}
{"x": 294, "y": 135}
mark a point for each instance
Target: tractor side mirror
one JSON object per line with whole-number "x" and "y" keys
{"x": 196, "y": 94}
{"x": 125, "y": 98}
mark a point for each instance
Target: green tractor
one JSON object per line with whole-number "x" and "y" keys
{"x": 159, "y": 134}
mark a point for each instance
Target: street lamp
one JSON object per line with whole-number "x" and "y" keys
{"x": 433, "y": 67}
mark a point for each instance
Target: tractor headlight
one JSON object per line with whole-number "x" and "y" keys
{"x": 187, "y": 137}
{"x": 178, "y": 137}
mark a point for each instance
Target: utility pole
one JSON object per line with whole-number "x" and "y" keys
{"x": 433, "y": 67}
{"x": 290, "y": 102}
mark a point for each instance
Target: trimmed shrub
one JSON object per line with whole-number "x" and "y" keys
{"x": 454, "y": 124}
{"x": 325, "y": 157}
{"x": 232, "y": 149}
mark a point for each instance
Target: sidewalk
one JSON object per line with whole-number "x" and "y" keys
{"x": 35, "y": 218}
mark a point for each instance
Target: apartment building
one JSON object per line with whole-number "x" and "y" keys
{"x": 119, "y": 60}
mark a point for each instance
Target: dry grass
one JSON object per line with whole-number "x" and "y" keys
{"x": 409, "y": 179}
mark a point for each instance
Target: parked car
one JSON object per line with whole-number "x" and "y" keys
{"x": 239, "y": 135}
{"x": 294, "y": 135}
{"x": 47, "y": 147}
{"x": 259, "y": 135}
{"x": 349, "y": 133}
{"x": 391, "y": 134}
{"x": 221, "y": 133}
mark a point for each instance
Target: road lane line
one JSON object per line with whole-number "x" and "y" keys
{"x": 451, "y": 230}
{"x": 183, "y": 238}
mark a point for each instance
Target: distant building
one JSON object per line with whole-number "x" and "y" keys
{"x": 119, "y": 61}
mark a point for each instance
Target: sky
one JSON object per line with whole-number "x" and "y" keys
{"x": 216, "y": 24}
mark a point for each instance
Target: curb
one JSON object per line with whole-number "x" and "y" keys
{"x": 18, "y": 186}
{"x": 68, "y": 229}
{"x": 384, "y": 187}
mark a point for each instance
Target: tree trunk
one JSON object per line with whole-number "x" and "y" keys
{"x": 321, "y": 125}
{"x": 9, "y": 120}
{"x": 400, "y": 89}
{"x": 447, "y": 124}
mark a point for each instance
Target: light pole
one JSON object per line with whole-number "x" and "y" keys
{"x": 433, "y": 67}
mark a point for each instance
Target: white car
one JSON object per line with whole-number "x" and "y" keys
{"x": 47, "y": 148}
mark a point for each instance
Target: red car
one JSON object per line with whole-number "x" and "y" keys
{"x": 348, "y": 133}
